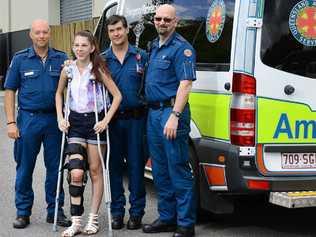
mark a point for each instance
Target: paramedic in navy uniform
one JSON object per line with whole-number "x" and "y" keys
{"x": 127, "y": 129}
{"x": 34, "y": 73}
{"x": 168, "y": 82}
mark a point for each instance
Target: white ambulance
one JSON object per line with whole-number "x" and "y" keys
{"x": 253, "y": 128}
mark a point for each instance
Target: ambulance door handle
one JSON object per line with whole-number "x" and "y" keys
{"x": 227, "y": 86}
{"x": 289, "y": 90}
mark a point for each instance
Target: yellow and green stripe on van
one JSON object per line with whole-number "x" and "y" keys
{"x": 210, "y": 112}
{"x": 277, "y": 121}
{"x": 285, "y": 122}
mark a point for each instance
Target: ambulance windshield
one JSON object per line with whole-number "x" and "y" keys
{"x": 206, "y": 24}
{"x": 213, "y": 51}
{"x": 289, "y": 36}
{"x": 136, "y": 9}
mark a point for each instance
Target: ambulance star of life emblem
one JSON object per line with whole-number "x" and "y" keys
{"x": 302, "y": 22}
{"x": 215, "y": 20}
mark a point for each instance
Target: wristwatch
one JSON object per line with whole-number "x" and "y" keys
{"x": 176, "y": 113}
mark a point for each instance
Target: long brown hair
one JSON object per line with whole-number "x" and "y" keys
{"x": 97, "y": 61}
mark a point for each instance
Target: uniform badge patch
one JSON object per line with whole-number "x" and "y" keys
{"x": 302, "y": 22}
{"x": 30, "y": 73}
{"x": 215, "y": 20}
{"x": 187, "y": 52}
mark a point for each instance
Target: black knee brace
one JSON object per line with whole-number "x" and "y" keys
{"x": 76, "y": 191}
{"x": 75, "y": 148}
{"x": 76, "y": 210}
{"x": 76, "y": 163}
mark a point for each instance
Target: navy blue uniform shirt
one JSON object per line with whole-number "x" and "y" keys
{"x": 128, "y": 75}
{"x": 36, "y": 81}
{"x": 169, "y": 64}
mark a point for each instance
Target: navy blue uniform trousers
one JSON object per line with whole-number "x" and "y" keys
{"x": 173, "y": 177}
{"x": 127, "y": 143}
{"x": 36, "y": 129}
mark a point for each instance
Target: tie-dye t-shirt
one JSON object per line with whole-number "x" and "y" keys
{"x": 81, "y": 99}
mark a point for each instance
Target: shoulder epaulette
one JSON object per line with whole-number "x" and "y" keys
{"x": 22, "y": 51}
{"x": 58, "y": 51}
{"x": 105, "y": 53}
{"x": 181, "y": 38}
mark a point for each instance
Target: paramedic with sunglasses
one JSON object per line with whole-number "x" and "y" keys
{"x": 171, "y": 70}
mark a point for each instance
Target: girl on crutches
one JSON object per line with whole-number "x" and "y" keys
{"x": 84, "y": 133}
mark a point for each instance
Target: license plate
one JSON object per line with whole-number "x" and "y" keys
{"x": 298, "y": 160}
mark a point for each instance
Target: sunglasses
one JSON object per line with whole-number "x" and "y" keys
{"x": 165, "y": 19}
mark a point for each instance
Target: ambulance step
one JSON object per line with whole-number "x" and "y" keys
{"x": 294, "y": 199}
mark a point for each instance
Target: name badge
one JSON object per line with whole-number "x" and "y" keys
{"x": 28, "y": 73}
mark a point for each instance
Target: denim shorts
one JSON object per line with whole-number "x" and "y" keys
{"x": 81, "y": 128}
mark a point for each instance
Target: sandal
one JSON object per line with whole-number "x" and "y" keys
{"x": 92, "y": 227}
{"x": 74, "y": 229}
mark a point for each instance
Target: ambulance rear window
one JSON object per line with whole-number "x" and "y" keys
{"x": 289, "y": 36}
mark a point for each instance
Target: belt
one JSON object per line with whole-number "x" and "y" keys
{"x": 165, "y": 103}
{"x": 130, "y": 113}
{"x": 87, "y": 114}
{"x": 40, "y": 111}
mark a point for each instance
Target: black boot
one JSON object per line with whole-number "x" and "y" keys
{"x": 62, "y": 220}
{"x": 21, "y": 222}
{"x": 117, "y": 222}
{"x": 134, "y": 223}
{"x": 159, "y": 226}
{"x": 184, "y": 232}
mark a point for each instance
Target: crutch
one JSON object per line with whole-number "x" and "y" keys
{"x": 106, "y": 175}
{"x": 107, "y": 195}
{"x": 61, "y": 161}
